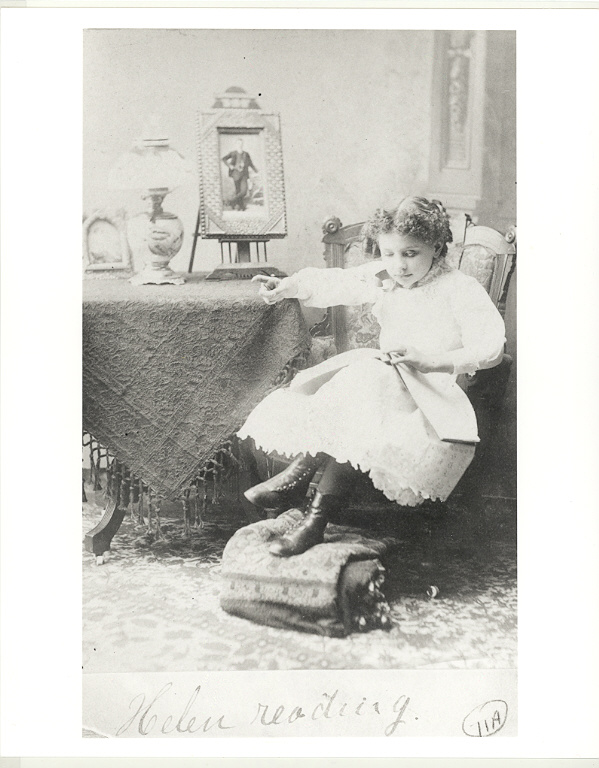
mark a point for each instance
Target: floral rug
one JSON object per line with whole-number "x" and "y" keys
{"x": 154, "y": 604}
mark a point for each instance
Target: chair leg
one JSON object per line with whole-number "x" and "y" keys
{"x": 476, "y": 540}
{"x": 432, "y": 537}
{"x": 473, "y": 529}
{"x": 446, "y": 536}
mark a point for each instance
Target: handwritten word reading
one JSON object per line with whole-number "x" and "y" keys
{"x": 330, "y": 708}
{"x": 148, "y": 717}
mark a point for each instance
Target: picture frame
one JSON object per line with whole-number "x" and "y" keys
{"x": 242, "y": 192}
{"x": 105, "y": 245}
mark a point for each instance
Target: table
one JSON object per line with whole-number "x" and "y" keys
{"x": 170, "y": 372}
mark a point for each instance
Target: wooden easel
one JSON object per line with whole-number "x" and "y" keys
{"x": 236, "y": 257}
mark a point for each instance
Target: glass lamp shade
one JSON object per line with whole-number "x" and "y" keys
{"x": 150, "y": 164}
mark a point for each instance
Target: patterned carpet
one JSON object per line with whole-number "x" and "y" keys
{"x": 154, "y": 605}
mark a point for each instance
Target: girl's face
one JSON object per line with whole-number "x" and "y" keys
{"x": 406, "y": 258}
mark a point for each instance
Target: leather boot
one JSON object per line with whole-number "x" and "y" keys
{"x": 288, "y": 488}
{"x": 311, "y": 529}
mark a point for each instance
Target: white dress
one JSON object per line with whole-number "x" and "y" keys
{"x": 364, "y": 413}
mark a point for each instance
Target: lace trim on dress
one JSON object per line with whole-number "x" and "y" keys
{"x": 395, "y": 488}
{"x": 393, "y": 482}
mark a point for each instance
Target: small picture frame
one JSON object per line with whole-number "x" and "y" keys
{"x": 241, "y": 174}
{"x": 105, "y": 246}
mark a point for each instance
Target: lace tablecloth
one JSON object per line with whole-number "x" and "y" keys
{"x": 169, "y": 372}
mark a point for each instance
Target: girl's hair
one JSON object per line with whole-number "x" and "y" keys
{"x": 416, "y": 216}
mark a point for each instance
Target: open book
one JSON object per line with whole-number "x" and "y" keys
{"x": 444, "y": 404}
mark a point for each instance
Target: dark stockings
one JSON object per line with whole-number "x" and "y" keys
{"x": 337, "y": 479}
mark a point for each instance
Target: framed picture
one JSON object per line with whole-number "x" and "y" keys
{"x": 105, "y": 245}
{"x": 241, "y": 174}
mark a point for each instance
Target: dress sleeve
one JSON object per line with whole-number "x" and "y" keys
{"x": 321, "y": 287}
{"x": 482, "y": 328}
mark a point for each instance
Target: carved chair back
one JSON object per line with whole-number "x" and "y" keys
{"x": 481, "y": 252}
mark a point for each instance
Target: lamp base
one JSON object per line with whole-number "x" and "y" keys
{"x": 164, "y": 276}
{"x": 156, "y": 237}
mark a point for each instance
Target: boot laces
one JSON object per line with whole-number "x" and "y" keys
{"x": 294, "y": 482}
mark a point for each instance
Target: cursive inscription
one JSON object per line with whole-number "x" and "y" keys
{"x": 155, "y": 716}
{"x": 329, "y": 708}
{"x": 147, "y": 721}
{"x": 487, "y": 719}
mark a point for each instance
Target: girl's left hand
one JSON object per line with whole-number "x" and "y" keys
{"x": 410, "y": 356}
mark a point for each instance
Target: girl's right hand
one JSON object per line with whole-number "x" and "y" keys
{"x": 270, "y": 289}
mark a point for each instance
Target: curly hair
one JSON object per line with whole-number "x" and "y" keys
{"x": 424, "y": 219}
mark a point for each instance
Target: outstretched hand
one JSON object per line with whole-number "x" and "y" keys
{"x": 270, "y": 289}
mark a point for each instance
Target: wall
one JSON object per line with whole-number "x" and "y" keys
{"x": 497, "y": 207}
{"x": 354, "y": 106}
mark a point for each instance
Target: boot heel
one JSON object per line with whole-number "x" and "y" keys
{"x": 311, "y": 530}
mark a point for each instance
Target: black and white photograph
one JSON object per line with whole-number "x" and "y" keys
{"x": 241, "y": 186}
{"x": 315, "y": 474}
{"x": 314, "y": 471}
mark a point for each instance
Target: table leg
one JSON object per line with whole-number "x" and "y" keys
{"x": 97, "y": 541}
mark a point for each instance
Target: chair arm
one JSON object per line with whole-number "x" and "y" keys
{"x": 322, "y": 327}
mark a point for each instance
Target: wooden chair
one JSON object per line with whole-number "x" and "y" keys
{"x": 485, "y": 254}
{"x": 489, "y": 256}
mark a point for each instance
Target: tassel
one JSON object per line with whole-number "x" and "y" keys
{"x": 150, "y": 508}
{"x": 125, "y": 488}
{"x": 130, "y": 492}
{"x": 92, "y": 468}
{"x": 96, "y": 465}
{"x": 140, "y": 507}
{"x": 110, "y": 480}
{"x": 134, "y": 489}
{"x": 229, "y": 452}
{"x": 196, "y": 502}
{"x": 202, "y": 514}
{"x": 186, "y": 520}
{"x": 158, "y": 510}
{"x": 215, "y": 486}
{"x": 118, "y": 478}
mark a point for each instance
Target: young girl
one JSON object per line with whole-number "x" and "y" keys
{"x": 356, "y": 412}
